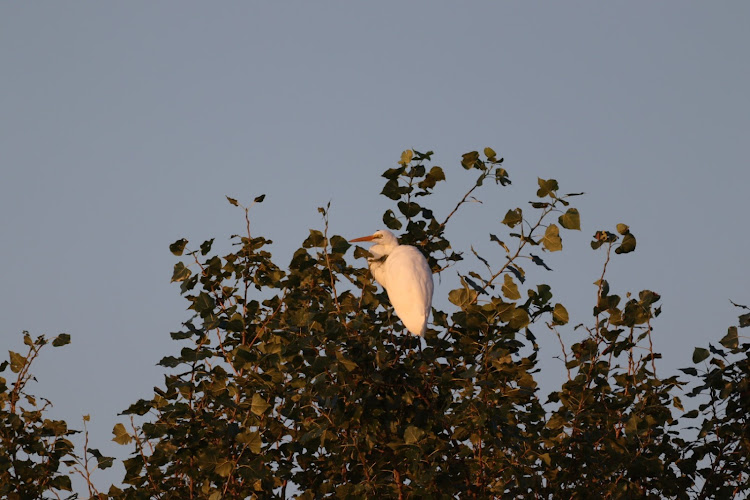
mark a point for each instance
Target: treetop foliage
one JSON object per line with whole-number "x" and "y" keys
{"x": 299, "y": 381}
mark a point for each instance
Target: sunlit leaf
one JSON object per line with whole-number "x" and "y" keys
{"x": 509, "y": 288}
{"x": 560, "y": 314}
{"x": 546, "y": 187}
{"x": 259, "y": 405}
{"x": 730, "y": 340}
{"x": 570, "y": 219}
{"x": 121, "y": 435}
{"x": 551, "y": 240}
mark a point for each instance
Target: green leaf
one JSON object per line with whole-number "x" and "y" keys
{"x": 627, "y": 245}
{"x": 570, "y": 219}
{"x": 316, "y": 239}
{"x": 206, "y": 246}
{"x": 437, "y": 174}
{"x": 203, "y": 303}
{"x": 259, "y": 199}
{"x": 434, "y": 176}
{"x": 730, "y": 340}
{"x": 413, "y": 434}
{"x": 392, "y": 190}
{"x": 519, "y": 319}
{"x": 178, "y": 246}
{"x": 552, "y": 241}
{"x": 17, "y": 362}
{"x": 61, "y": 340}
{"x": 121, "y": 435}
{"x": 559, "y": 315}
{"x": 390, "y": 220}
{"x": 489, "y": 153}
{"x": 348, "y": 364}
{"x": 251, "y": 439}
{"x": 259, "y": 405}
{"x": 623, "y": 228}
{"x": 699, "y": 354}
{"x": 510, "y": 289}
{"x": 233, "y": 201}
{"x": 224, "y": 469}
{"x": 462, "y": 296}
{"x": 180, "y": 273}
{"x": 513, "y": 217}
{"x": 409, "y": 209}
{"x": 546, "y": 187}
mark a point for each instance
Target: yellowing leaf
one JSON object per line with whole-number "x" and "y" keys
{"x": 121, "y": 434}
{"x": 259, "y": 405}
{"x": 510, "y": 289}
{"x": 406, "y": 156}
{"x": 570, "y": 219}
{"x": 413, "y": 434}
{"x": 560, "y": 314}
{"x": 17, "y": 362}
{"x": 547, "y": 188}
{"x": 251, "y": 439}
{"x": 552, "y": 241}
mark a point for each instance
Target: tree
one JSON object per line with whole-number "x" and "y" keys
{"x": 300, "y": 381}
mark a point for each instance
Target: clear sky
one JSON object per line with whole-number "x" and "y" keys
{"x": 123, "y": 126}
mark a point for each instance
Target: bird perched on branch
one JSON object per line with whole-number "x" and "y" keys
{"x": 406, "y": 277}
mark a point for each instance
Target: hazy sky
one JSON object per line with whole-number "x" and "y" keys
{"x": 124, "y": 125}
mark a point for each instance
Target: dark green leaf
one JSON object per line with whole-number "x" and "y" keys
{"x": 699, "y": 354}
{"x": 61, "y": 340}
{"x": 180, "y": 272}
{"x": 627, "y": 245}
{"x": 178, "y": 246}
{"x": 390, "y": 220}
{"x": 259, "y": 199}
{"x": 206, "y": 247}
{"x": 513, "y": 217}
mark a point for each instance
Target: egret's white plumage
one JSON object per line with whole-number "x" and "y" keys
{"x": 407, "y": 278}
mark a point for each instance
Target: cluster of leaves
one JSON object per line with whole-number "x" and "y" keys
{"x": 300, "y": 380}
{"x": 33, "y": 449}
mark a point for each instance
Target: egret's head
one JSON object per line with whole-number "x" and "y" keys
{"x": 380, "y": 237}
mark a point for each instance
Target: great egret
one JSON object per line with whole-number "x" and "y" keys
{"x": 403, "y": 271}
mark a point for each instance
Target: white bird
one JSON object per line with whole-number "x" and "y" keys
{"x": 407, "y": 278}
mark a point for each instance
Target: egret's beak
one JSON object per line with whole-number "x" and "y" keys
{"x": 363, "y": 238}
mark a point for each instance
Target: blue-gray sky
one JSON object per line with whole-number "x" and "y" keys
{"x": 123, "y": 125}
